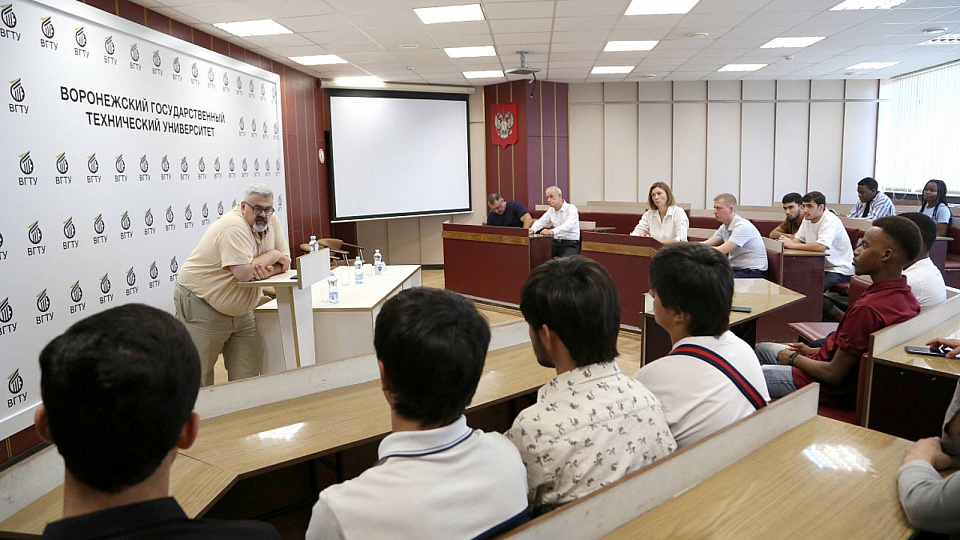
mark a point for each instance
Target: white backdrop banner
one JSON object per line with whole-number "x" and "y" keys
{"x": 119, "y": 146}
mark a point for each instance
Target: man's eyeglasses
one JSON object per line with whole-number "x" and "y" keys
{"x": 257, "y": 209}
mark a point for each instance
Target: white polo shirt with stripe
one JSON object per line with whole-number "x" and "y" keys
{"x": 449, "y": 482}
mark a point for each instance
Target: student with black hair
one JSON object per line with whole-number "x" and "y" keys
{"x": 873, "y": 203}
{"x": 935, "y": 206}
{"x": 924, "y": 278}
{"x": 887, "y": 247}
{"x": 823, "y": 232}
{"x": 591, "y": 425}
{"x": 118, "y": 394}
{"x": 692, "y": 289}
{"x": 436, "y": 477}
{"x": 792, "y": 217}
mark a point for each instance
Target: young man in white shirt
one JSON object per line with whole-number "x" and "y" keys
{"x": 822, "y": 231}
{"x": 436, "y": 477}
{"x": 700, "y": 383}
{"x": 591, "y": 425}
{"x": 738, "y": 239}
{"x": 561, "y": 222}
{"x": 924, "y": 278}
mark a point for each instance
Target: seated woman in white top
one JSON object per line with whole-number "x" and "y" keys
{"x": 664, "y": 221}
{"x": 935, "y": 205}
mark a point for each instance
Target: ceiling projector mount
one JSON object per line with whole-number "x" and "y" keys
{"x": 525, "y": 69}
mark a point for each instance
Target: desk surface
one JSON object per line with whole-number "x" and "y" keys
{"x": 284, "y": 433}
{"x": 824, "y": 479}
{"x": 934, "y": 365}
{"x": 760, "y": 295}
{"x": 356, "y": 297}
{"x": 195, "y": 485}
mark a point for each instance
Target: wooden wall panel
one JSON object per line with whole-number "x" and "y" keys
{"x": 826, "y": 147}
{"x": 656, "y": 146}
{"x": 756, "y": 154}
{"x": 690, "y": 153}
{"x": 723, "y": 149}
{"x": 790, "y": 152}
{"x": 620, "y": 152}
{"x": 586, "y": 153}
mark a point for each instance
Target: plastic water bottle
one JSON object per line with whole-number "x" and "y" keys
{"x": 358, "y": 271}
{"x": 377, "y": 263}
{"x": 314, "y": 245}
{"x": 334, "y": 289}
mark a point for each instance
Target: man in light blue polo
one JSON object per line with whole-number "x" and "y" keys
{"x": 738, "y": 239}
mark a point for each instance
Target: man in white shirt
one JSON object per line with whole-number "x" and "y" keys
{"x": 924, "y": 278}
{"x": 822, "y": 231}
{"x": 436, "y": 477}
{"x": 561, "y": 222}
{"x": 692, "y": 289}
{"x": 873, "y": 204}
{"x": 738, "y": 239}
{"x": 591, "y": 425}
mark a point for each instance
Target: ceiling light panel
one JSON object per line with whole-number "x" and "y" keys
{"x": 318, "y": 60}
{"x": 610, "y": 70}
{"x": 622, "y": 46}
{"x": 470, "y": 52}
{"x": 660, "y": 7}
{"x": 791, "y": 42}
{"x": 448, "y": 14}
{"x": 265, "y": 27}
{"x": 488, "y": 74}
{"x": 742, "y": 67}
{"x": 872, "y": 65}
{"x": 866, "y": 4}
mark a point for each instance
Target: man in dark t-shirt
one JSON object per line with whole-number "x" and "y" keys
{"x": 118, "y": 394}
{"x": 507, "y": 213}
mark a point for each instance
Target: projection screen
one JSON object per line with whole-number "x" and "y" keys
{"x": 397, "y": 154}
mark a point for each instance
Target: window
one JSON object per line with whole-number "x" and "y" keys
{"x": 919, "y": 130}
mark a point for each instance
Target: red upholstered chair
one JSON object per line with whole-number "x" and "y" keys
{"x": 774, "y": 267}
{"x": 858, "y": 415}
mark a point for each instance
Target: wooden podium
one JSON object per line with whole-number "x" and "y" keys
{"x": 295, "y": 305}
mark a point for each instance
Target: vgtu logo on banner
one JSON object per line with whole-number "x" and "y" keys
{"x": 43, "y": 306}
{"x": 27, "y": 168}
{"x": 69, "y": 231}
{"x": 81, "y": 37}
{"x": 46, "y": 27}
{"x": 108, "y": 45}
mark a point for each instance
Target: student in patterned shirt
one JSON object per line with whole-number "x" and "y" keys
{"x": 591, "y": 425}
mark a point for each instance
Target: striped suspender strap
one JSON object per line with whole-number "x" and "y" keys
{"x": 717, "y": 361}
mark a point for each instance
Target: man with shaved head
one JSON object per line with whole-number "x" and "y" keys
{"x": 561, "y": 222}
{"x": 891, "y": 244}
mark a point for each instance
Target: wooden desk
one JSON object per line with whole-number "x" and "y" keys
{"x": 824, "y": 479}
{"x": 340, "y": 331}
{"x": 627, "y": 259}
{"x": 909, "y": 393}
{"x": 602, "y": 229}
{"x": 762, "y": 296}
{"x": 490, "y": 262}
{"x": 196, "y": 486}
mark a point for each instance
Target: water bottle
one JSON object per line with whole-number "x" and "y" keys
{"x": 314, "y": 245}
{"x": 377, "y": 263}
{"x": 358, "y": 271}
{"x": 334, "y": 289}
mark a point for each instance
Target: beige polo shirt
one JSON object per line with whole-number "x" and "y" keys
{"x": 228, "y": 242}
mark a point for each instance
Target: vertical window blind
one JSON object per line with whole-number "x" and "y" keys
{"x": 919, "y": 130}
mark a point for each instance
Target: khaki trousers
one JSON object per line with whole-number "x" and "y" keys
{"x": 213, "y": 332}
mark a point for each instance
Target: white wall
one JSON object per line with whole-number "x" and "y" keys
{"x": 755, "y": 139}
{"x": 417, "y": 240}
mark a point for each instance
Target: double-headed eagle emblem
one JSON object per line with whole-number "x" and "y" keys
{"x": 503, "y": 121}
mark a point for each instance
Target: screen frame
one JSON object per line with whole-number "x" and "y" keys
{"x": 376, "y": 93}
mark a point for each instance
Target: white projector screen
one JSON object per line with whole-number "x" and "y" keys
{"x": 397, "y": 154}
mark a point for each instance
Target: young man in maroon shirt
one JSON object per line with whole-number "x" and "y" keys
{"x": 887, "y": 247}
